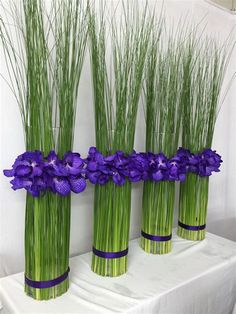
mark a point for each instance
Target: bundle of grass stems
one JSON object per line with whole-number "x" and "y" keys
{"x": 44, "y": 50}
{"x": 163, "y": 121}
{"x": 204, "y": 65}
{"x": 117, "y": 84}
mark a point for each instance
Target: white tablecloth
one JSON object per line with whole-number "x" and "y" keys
{"x": 196, "y": 277}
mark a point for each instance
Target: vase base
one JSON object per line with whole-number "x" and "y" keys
{"x": 47, "y": 293}
{"x": 155, "y": 247}
{"x": 191, "y": 235}
{"x": 112, "y": 267}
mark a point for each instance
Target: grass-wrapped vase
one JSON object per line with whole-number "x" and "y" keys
{"x": 47, "y": 235}
{"x": 117, "y": 84}
{"x": 193, "y": 201}
{"x": 111, "y": 229}
{"x": 157, "y": 217}
{"x": 158, "y": 207}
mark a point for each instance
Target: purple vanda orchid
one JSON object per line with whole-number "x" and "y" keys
{"x": 66, "y": 174}
{"x": 27, "y": 171}
{"x": 209, "y": 161}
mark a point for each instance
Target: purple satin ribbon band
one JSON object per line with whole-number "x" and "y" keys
{"x": 48, "y": 283}
{"x": 192, "y": 228}
{"x": 155, "y": 237}
{"x": 110, "y": 254}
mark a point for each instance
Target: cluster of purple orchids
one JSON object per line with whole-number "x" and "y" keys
{"x": 37, "y": 174}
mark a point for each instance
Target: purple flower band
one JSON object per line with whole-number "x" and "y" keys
{"x": 148, "y": 166}
{"x": 36, "y": 174}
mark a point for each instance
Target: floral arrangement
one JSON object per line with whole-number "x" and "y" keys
{"x": 203, "y": 66}
{"x": 163, "y": 125}
{"x": 117, "y": 83}
{"x": 44, "y": 53}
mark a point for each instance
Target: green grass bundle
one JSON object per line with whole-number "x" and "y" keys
{"x": 163, "y": 116}
{"x": 44, "y": 55}
{"x": 204, "y": 66}
{"x": 117, "y": 83}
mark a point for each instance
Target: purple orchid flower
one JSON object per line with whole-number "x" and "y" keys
{"x": 138, "y": 167}
{"x": 176, "y": 169}
{"x": 118, "y": 167}
{"x": 188, "y": 159}
{"x": 38, "y": 185}
{"x": 21, "y": 183}
{"x": 209, "y": 161}
{"x": 101, "y": 169}
{"x": 66, "y": 174}
{"x": 96, "y": 170}
{"x": 77, "y": 184}
{"x": 118, "y": 178}
{"x": 60, "y": 185}
{"x": 73, "y": 163}
{"x": 103, "y": 179}
{"x": 64, "y": 185}
{"x": 32, "y": 185}
{"x": 29, "y": 164}
{"x": 27, "y": 171}
{"x": 158, "y": 166}
{"x": 52, "y": 165}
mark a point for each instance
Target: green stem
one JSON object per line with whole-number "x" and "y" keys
{"x": 47, "y": 230}
{"x": 157, "y": 215}
{"x": 193, "y": 206}
{"x": 112, "y": 206}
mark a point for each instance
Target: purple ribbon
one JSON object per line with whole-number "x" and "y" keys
{"x": 110, "y": 254}
{"x": 155, "y": 237}
{"x": 192, "y": 228}
{"x": 48, "y": 283}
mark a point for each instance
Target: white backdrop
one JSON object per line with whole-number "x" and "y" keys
{"x": 222, "y": 205}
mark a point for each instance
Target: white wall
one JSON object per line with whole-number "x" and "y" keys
{"x": 222, "y": 207}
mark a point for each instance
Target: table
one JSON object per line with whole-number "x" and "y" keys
{"x": 195, "y": 278}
